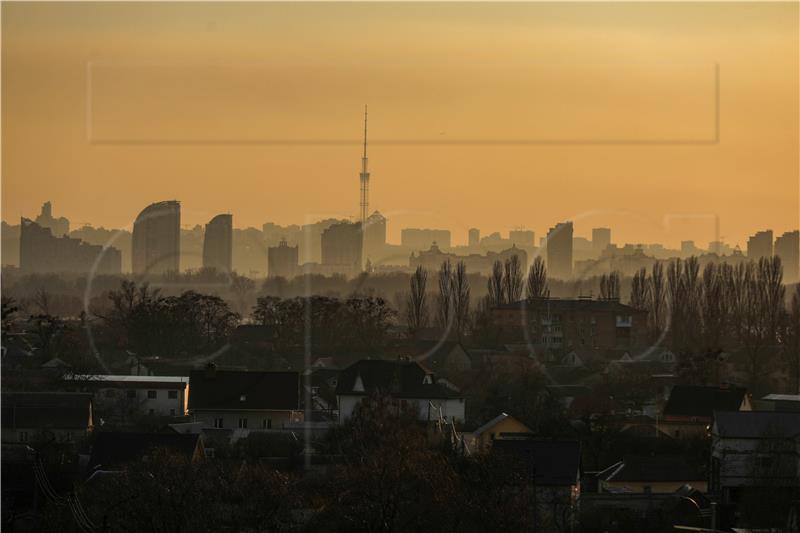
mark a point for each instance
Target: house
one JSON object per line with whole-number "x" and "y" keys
{"x": 754, "y": 449}
{"x": 29, "y": 416}
{"x": 553, "y": 466}
{"x": 113, "y": 450}
{"x": 780, "y": 402}
{"x": 690, "y": 408}
{"x": 244, "y": 401}
{"x": 651, "y": 474}
{"x": 445, "y": 358}
{"x": 503, "y": 426}
{"x": 405, "y": 381}
{"x": 121, "y": 396}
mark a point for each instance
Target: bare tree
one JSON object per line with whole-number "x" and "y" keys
{"x": 610, "y": 286}
{"x": 242, "y": 288}
{"x": 536, "y": 286}
{"x": 640, "y": 290}
{"x": 496, "y": 286}
{"x": 656, "y": 300}
{"x": 512, "y": 279}
{"x": 444, "y": 301}
{"x": 416, "y": 303}
{"x": 461, "y": 294}
{"x": 791, "y": 339}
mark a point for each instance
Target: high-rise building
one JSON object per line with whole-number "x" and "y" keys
{"x": 218, "y": 244}
{"x": 522, "y": 238}
{"x": 40, "y": 251}
{"x": 57, "y": 226}
{"x": 474, "y": 237}
{"x": 157, "y": 239}
{"x": 688, "y": 249}
{"x": 422, "y": 239}
{"x": 760, "y": 245}
{"x": 375, "y": 236}
{"x": 559, "y": 251}
{"x": 342, "y": 249}
{"x": 787, "y": 247}
{"x": 282, "y": 260}
{"x": 601, "y": 238}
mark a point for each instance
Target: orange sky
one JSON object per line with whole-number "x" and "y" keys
{"x": 610, "y": 110}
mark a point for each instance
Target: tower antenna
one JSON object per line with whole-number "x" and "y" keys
{"x": 364, "y": 178}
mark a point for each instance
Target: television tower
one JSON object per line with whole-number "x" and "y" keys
{"x": 364, "y": 179}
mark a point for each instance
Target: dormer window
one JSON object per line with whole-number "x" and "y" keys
{"x": 358, "y": 386}
{"x": 427, "y": 380}
{"x": 242, "y": 398}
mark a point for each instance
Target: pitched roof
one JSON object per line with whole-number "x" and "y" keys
{"x": 113, "y": 449}
{"x": 402, "y": 379}
{"x": 241, "y": 390}
{"x": 655, "y": 468}
{"x": 46, "y": 410}
{"x": 691, "y": 400}
{"x": 756, "y": 424}
{"x": 573, "y": 304}
{"x": 553, "y": 462}
{"x": 493, "y": 422}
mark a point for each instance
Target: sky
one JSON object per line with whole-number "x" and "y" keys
{"x": 659, "y": 120}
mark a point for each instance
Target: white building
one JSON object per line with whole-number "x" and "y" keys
{"x": 123, "y": 395}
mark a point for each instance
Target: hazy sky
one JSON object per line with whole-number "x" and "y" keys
{"x": 611, "y": 110}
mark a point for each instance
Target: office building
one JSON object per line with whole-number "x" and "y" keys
{"x": 282, "y": 260}
{"x": 342, "y": 249}
{"x": 57, "y": 226}
{"x": 218, "y": 244}
{"x": 156, "y": 239}
{"x": 760, "y": 245}
{"x": 375, "y": 237}
{"x": 522, "y": 238}
{"x": 41, "y": 252}
{"x": 474, "y": 237}
{"x": 787, "y": 247}
{"x": 559, "y": 251}
{"x": 601, "y": 238}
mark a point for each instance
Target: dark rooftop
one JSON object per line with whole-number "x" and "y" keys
{"x": 113, "y": 449}
{"x": 691, "y": 400}
{"x": 554, "y": 462}
{"x": 757, "y": 424}
{"x": 402, "y": 379}
{"x": 46, "y": 410}
{"x": 241, "y": 390}
{"x": 656, "y": 468}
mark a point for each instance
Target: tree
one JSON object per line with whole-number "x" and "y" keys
{"x": 640, "y": 290}
{"x": 416, "y": 302}
{"x": 461, "y": 295}
{"x": 512, "y": 279}
{"x": 242, "y": 288}
{"x": 444, "y": 300}
{"x": 536, "y": 285}
{"x": 656, "y": 301}
{"x": 610, "y": 286}
{"x": 495, "y": 285}
{"x": 791, "y": 340}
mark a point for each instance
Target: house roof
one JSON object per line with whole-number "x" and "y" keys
{"x": 46, "y": 410}
{"x": 113, "y": 449}
{"x": 403, "y": 379}
{"x": 242, "y": 390}
{"x": 573, "y": 304}
{"x": 553, "y": 462}
{"x": 692, "y": 400}
{"x": 653, "y": 468}
{"x": 493, "y": 422}
{"x": 756, "y": 424}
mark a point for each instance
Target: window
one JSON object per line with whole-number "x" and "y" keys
{"x": 266, "y": 423}
{"x": 23, "y": 436}
{"x": 242, "y": 423}
{"x": 131, "y": 394}
{"x": 172, "y": 395}
{"x": 218, "y": 423}
{"x": 151, "y": 395}
{"x": 242, "y": 398}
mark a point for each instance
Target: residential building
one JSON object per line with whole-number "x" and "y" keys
{"x": 242, "y": 401}
{"x": 780, "y": 402}
{"x": 342, "y": 247}
{"x": 406, "y": 382}
{"x": 522, "y": 238}
{"x": 112, "y": 450}
{"x": 156, "y": 239}
{"x": 503, "y": 426}
{"x": 57, "y": 226}
{"x": 416, "y": 239}
{"x": 34, "y": 416}
{"x": 559, "y": 251}
{"x": 432, "y": 259}
{"x": 474, "y": 238}
{"x": 218, "y": 244}
{"x": 689, "y": 411}
{"x": 282, "y": 260}
{"x": 787, "y": 247}
{"x": 375, "y": 237}
{"x": 40, "y": 252}
{"x": 122, "y": 396}
{"x": 657, "y": 474}
{"x": 601, "y": 239}
{"x": 760, "y": 245}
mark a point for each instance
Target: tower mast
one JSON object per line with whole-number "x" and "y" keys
{"x": 364, "y": 178}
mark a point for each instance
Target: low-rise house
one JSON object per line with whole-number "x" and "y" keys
{"x": 690, "y": 409}
{"x": 780, "y": 402}
{"x": 503, "y": 426}
{"x": 30, "y": 416}
{"x": 651, "y": 474}
{"x": 405, "y": 381}
{"x": 756, "y": 449}
{"x": 244, "y": 401}
{"x": 122, "y": 396}
{"x": 113, "y": 450}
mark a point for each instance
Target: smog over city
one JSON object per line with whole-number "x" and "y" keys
{"x": 400, "y": 266}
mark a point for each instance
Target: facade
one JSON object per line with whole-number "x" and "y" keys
{"x": 57, "y": 226}
{"x": 218, "y": 244}
{"x": 522, "y": 238}
{"x": 406, "y": 382}
{"x": 760, "y": 245}
{"x": 342, "y": 249}
{"x": 567, "y": 324}
{"x": 421, "y": 239}
{"x": 690, "y": 409}
{"x": 242, "y": 401}
{"x": 60, "y": 416}
{"x": 601, "y": 238}
{"x": 375, "y": 237}
{"x": 282, "y": 260}
{"x": 474, "y": 239}
{"x": 122, "y": 396}
{"x": 787, "y": 247}
{"x": 559, "y": 251}
{"x": 503, "y": 426}
{"x": 657, "y": 474}
{"x": 433, "y": 258}
{"x": 156, "y": 239}
{"x": 40, "y": 251}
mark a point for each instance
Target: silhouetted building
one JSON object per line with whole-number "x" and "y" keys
{"x": 422, "y": 239}
{"x": 433, "y": 258}
{"x": 375, "y": 236}
{"x": 688, "y": 249}
{"x": 559, "y": 250}
{"x": 218, "y": 244}
{"x": 474, "y": 237}
{"x": 156, "y": 239}
{"x": 282, "y": 260}
{"x": 601, "y": 238}
{"x": 787, "y": 247}
{"x": 760, "y": 245}
{"x": 40, "y": 251}
{"x": 342, "y": 249}
{"x": 521, "y": 238}
{"x": 58, "y": 226}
